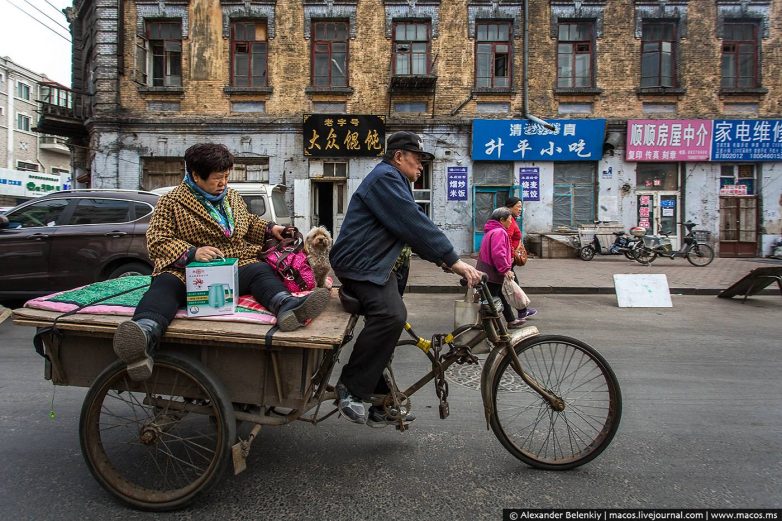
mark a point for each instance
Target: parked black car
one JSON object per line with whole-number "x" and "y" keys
{"x": 74, "y": 237}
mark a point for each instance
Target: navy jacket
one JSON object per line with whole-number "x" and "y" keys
{"x": 382, "y": 217}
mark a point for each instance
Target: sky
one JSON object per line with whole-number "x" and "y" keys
{"x": 28, "y": 43}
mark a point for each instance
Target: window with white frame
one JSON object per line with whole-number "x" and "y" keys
{"x": 250, "y": 170}
{"x": 335, "y": 169}
{"x": 159, "y": 54}
{"x": 422, "y": 189}
{"x": 23, "y": 122}
{"x": 23, "y": 90}
{"x": 737, "y": 179}
{"x": 25, "y": 166}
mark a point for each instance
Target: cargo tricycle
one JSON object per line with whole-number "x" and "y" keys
{"x": 552, "y": 401}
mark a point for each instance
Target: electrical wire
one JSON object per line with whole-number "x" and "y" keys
{"x": 53, "y": 6}
{"x": 46, "y": 15}
{"x": 40, "y": 22}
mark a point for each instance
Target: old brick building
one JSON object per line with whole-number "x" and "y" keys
{"x": 697, "y": 82}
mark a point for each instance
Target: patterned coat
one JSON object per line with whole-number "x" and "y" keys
{"x": 180, "y": 221}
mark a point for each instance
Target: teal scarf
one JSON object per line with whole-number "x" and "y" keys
{"x": 217, "y": 205}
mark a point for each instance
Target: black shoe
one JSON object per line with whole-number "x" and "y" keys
{"x": 294, "y": 312}
{"x": 378, "y": 418}
{"x": 134, "y": 342}
{"x": 349, "y": 406}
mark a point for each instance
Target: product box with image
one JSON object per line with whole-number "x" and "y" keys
{"x": 212, "y": 287}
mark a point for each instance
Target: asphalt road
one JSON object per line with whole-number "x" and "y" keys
{"x": 701, "y": 428}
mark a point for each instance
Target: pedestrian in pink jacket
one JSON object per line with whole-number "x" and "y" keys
{"x": 496, "y": 261}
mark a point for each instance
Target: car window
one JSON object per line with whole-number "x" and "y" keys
{"x": 41, "y": 213}
{"x": 280, "y": 208}
{"x": 255, "y": 203}
{"x": 142, "y": 210}
{"x": 101, "y": 211}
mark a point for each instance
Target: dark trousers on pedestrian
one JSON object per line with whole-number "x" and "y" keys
{"x": 167, "y": 293}
{"x": 385, "y": 316}
{"x": 507, "y": 311}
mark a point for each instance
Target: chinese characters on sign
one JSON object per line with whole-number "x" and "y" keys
{"x": 457, "y": 183}
{"x": 522, "y": 140}
{"x": 742, "y": 140}
{"x": 529, "y": 180}
{"x": 704, "y": 140}
{"x": 343, "y": 135}
{"x": 644, "y": 212}
{"x": 668, "y": 140}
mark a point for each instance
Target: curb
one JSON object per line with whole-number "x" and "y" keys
{"x": 574, "y": 290}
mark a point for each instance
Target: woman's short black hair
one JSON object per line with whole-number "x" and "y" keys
{"x": 204, "y": 158}
{"x": 511, "y": 201}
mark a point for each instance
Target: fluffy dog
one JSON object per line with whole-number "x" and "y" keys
{"x": 317, "y": 245}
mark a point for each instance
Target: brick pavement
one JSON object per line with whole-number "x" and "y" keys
{"x": 572, "y": 275}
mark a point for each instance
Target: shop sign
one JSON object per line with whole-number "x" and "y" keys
{"x": 704, "y": 140}
{"x": 457, "y": 183}
{"x": 343, "y": 135}
{"x": 529, "y": 180}
{"x": 668, "y": 140}
{"x": 522, "y": 140}
{"x": 18, "y": 183}
{"x": 733, "y": 190}
{"x": 747, "y": 140}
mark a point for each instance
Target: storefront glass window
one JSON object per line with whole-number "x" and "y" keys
{"x": 657, "y": 176}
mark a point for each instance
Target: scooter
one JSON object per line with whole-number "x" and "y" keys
{"x": 696, "y": 252}
{"x": 627, "y": 245}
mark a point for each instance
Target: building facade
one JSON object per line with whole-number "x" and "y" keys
{"x": 31, "y": 164}
{"x": 662, "y": 110}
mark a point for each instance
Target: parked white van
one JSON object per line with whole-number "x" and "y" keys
{"x": 267, "y": 201}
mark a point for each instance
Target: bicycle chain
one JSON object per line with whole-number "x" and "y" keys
{"x": 440, "y": 383}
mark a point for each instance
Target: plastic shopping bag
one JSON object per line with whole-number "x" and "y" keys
{"x": 514, "y": 295}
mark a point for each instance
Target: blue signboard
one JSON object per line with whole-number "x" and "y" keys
{"x": 522, "y": 140}
{"x": 457, "y": 183}
{"x": 529, "y": 180}
{"x": 746, "y": 140}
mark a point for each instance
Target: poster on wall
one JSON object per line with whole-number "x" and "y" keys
{"x": 529, "y": 180}
{"x": 457, "y": 183}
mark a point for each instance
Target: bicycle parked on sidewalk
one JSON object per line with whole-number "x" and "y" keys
{"x": 696, "y": 252}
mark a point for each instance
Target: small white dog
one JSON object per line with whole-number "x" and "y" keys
{"x": 317, "y": 245}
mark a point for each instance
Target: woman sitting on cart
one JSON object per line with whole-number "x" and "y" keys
{"x": 203, "y": 220}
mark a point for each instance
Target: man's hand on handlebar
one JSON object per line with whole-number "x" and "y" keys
{"x": 469, "y": 273}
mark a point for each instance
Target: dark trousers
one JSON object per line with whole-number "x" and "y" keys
{"x": 167, "y": 293}
{"x": 507, "y": 311}
{"x": 385, "y": 316}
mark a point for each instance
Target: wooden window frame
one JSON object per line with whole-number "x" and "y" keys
{"x": 411, "y": 53}
{"x": 493, "y": 55}
{"x": 674, "y": 41}
{"x": 329, "y": 44}
{"x": 587, "y": 48}
{"x": 735, "y": 53}
{"x": 251, "y": 52}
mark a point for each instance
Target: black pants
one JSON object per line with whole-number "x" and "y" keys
{"x": 385, "y": 316}
{"x": 167, "y": 293}
{"x": 507, "y": 311}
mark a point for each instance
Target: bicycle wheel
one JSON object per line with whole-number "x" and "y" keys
{"x": 536, "y": 433}
{"x": 157, "y": 444}
{"x": 700, "y": 255}
{"x": 645, "y": 255}
{"x": 586, "y": 253}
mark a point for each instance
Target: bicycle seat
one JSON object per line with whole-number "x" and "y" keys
{"x": 349, "y": 302}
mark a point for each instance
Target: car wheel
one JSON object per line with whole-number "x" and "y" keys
{"x": 130, "y": 268}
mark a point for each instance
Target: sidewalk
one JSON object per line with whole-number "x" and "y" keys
{"x": 572, "y": 275}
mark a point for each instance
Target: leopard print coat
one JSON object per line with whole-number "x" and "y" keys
{"x": 180, "y": 221}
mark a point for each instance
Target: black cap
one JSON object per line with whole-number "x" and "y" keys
{"x": 409, "y": 141}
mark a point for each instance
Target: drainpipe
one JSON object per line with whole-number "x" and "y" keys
{"x": 525, "y": 91}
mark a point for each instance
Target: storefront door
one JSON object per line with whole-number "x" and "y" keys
{"x": 738, "y": 226}
{"x": 485, "y": 200}
{"x": 659, "y": 212}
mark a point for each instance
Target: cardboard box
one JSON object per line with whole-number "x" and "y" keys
{"x": 212, "y": 287}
